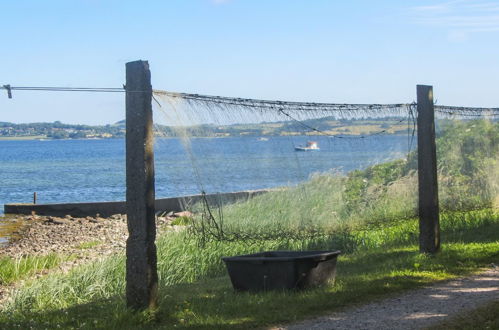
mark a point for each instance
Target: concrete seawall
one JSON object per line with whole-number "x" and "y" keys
{"x": 105, "y": 209}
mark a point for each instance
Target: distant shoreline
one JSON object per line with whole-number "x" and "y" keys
{"x": 22, "y": 138}
{"x": 324, "y": 126}
{"x": 311, "y": 134}
{"x": 42, "y": 137}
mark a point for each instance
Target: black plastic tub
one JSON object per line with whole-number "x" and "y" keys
{"x": 281, "y": 270}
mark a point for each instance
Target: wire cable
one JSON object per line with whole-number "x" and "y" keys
{"x": 266, "y": 104}
{"x": 67, "y": 89}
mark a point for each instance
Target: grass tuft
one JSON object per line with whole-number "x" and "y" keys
{"x": 15, "y": 269}
{"x": 88, "y": 245}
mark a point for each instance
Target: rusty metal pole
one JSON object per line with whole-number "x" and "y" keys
{"x": 141, "y": 259}
{"x": 429, "y": 226}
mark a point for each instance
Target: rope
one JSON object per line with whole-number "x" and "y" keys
{"x": 273, "y": 104}
{"x": 466, "y": 112}
{"x": 464, "y": 109}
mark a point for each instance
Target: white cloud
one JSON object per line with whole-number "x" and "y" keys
{"x": 461, "y": 18}
{"x": 458, "y": 36}
{"x": 220, "y": 2}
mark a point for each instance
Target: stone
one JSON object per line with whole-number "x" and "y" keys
{"x": 57, "y": 221}
{"x": 183, "y": 214}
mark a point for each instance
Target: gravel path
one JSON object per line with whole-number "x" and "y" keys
{"x": 416, "y": 309}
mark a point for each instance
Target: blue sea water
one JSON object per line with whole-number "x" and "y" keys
{"x": 94, "y": 170}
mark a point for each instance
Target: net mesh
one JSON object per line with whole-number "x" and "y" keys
{"x": 467, "y": 157}
{"x": 304, "y": 170}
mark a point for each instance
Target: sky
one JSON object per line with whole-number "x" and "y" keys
{"x": 299, "y": 50}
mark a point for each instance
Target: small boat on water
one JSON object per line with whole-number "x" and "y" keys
{"x": 311, "y": 146}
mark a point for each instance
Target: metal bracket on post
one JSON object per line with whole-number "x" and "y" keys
{"x": 9, "y": 90}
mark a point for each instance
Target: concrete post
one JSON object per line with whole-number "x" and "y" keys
{"x": 141, "y": 259}
{"x": 429, "y": 227}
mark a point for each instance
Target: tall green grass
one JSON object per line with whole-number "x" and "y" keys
{"x": 15, "y": 269}
{"x": 95, "y": 280}
{"x": 319, "y": 207}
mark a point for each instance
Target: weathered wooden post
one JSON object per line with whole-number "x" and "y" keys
{"x": 429, "y": 227}
{"x": 141, "y": 268}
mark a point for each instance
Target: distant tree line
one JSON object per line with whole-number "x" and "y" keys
{"x": 58, "y": 130}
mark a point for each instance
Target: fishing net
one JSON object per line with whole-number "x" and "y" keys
{"x": 467, "y": 157}
{"x": 257, "y": 170}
